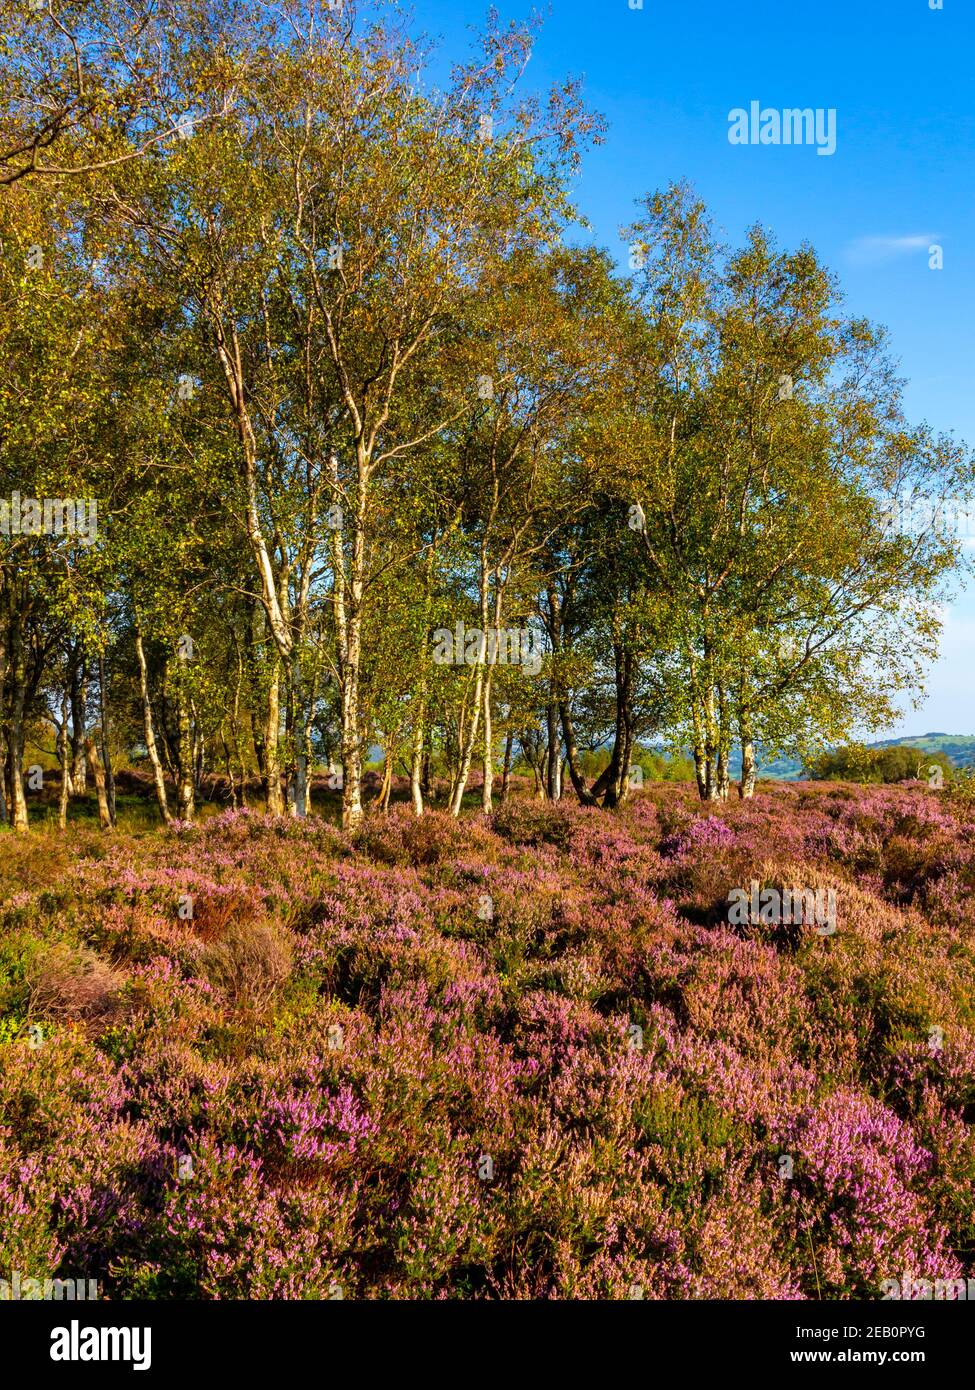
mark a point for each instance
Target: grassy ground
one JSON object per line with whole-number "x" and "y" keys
{"x": 524, "y": 1056}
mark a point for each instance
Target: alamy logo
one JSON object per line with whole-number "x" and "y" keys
{"x": 17, "y": 1287}
{"x": 913, "y": 515}
{"x": 497, "y": 647}
{"x": 790, "y": 906}
{"x": 911, "y": 1289}
{"x": 77, "y": 1343}
{"x": 790, "y": 126}
{"x": 50, "y": 516}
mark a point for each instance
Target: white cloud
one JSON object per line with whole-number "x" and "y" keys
{"x": 876, "y": 250}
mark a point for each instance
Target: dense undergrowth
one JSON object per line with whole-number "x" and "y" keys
{"x": 265, "y": 1060}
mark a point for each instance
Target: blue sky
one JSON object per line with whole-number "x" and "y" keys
{"x": 900, "y": 77}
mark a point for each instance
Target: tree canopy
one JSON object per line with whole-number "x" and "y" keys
{"x": 310, "y": 358}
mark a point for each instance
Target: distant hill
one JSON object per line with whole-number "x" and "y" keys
{"x": 960, "y": 748}
{"x": 781, "y": 769}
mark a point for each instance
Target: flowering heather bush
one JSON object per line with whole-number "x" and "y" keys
{"x": 524, "y": 1057}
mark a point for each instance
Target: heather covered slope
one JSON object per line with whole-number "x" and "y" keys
{"x": 259, "y": 1059}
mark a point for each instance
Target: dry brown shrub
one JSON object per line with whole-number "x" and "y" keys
{"x": 72, "y": 982}
{"x": 250, "y": 964}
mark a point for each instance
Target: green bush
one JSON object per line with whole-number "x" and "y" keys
{"x": 857, "y": 763}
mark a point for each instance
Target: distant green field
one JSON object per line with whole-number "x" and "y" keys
{"x": 960, "y": 748}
